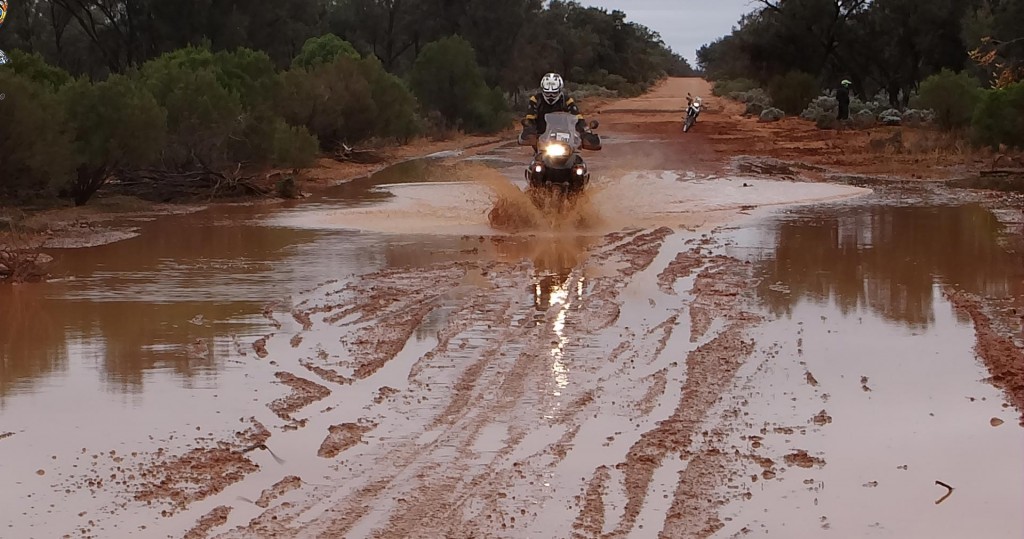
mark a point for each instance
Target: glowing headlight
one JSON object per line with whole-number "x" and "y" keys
{"x": 556, "y": 150}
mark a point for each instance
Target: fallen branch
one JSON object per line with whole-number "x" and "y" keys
{"x": 950, "y": 491}
{"x": 352, "y": 155}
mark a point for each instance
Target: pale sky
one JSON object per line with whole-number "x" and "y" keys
{"x": 684, "y": 25}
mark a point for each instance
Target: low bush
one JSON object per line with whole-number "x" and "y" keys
{"x": 953, "y": 97}
{"x": 36, "y": 155}
{"x": 999, "y": 117}
{"x": 317, "y": 51}
{"x": 446, "y": 78}
{"x": 793, "y": 91}
{"x": 727, "y": 87}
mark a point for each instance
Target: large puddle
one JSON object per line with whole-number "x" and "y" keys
{"x": 150, "y": 339}
{"x": 869, "y": 367}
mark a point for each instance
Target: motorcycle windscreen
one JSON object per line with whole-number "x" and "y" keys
{"x": 561, "y": 127}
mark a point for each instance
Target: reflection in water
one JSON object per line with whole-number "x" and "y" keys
{"x": 887, "y": 259}
{"x": 558, "y": 286}
{"x": 132, "y": 306}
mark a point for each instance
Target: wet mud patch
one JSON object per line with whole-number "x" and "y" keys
{"x": 1001, "y": 356}
{"x": 803, "y": 460}
{"x": 279, "y": 489}
{"x": 218, "y": 516}
{"x": 342, "y": 437}
{"x": 680, "y": 267}
{"x": 715, "y": 292}
{"x": 328, "y": 375}
{"x": 304, "y": 392}
{"x": 710, "y": 370}
{"x": 196, "y": 475}
{"x": 386, "y": 307}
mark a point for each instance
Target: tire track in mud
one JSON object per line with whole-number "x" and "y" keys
{"x": 473, "y": 444}
{"x": 710, "y": 370}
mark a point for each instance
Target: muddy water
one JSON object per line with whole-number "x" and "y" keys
{"x": 148, "y": 342}
{"x": 868, "y": 367}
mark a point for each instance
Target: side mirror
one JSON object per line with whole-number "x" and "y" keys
{"x": 594, "y": 124}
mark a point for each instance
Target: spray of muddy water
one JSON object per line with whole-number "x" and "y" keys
{"x": 514, "y": 210}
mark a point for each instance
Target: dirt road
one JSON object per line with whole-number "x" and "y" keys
{"x": 704, "y": 353}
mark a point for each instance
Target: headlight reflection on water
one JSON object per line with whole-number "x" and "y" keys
{"x": 562, "y": 296}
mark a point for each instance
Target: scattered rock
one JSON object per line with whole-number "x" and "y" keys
{"x": 822, "y": 419}
{"x": 995, "y": 422}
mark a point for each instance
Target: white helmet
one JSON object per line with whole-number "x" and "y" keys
{"x": 551, "y": 87}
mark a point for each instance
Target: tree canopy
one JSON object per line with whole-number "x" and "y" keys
{"x": 516, "y": 41}
{"x": 890, "y": 45}
{"x": 195, "y": 95}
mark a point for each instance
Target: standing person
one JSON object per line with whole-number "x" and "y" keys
{"x": 843, "y": 96}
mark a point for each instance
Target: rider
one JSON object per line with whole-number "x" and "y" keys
{"x": 551, "y": 99}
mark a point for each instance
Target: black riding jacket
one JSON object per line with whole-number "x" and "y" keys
{"x": 539, "y": 107}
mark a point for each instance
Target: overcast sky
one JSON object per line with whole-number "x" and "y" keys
{"x": 684, "y": 25}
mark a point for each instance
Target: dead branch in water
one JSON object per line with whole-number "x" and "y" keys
{"x": 352, "y": 155}
{"x": 950, "y": 491}
{"x": 23, "y": 265}
{"x": 203, "y": 183}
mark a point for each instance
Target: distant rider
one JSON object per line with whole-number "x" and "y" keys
{"x": 843, "y": 97}
{"x": 550, "y": 99}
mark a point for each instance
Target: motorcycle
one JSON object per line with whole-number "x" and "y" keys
{"x": 692, "y": 111}
{"x": 557, "y": 167}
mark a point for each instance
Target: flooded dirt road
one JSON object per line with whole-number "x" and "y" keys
{"x": 697, "y": 353}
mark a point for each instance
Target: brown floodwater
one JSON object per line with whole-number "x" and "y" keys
{"x": 150, "y": 338}
{"x": 867, "y": 366}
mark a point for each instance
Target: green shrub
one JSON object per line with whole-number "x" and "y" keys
{"x": 317, "y": 51}
{"x": 35, "y": 151}
{"x": 447, "y": 78}
{"x": 267, "y": 139}
{"x": 793, "y": 91}
{"x": 115, "y": 123}
{"x": 248, "y": 75}
{"x": 33, "y": 67}
{"x": 202, "y": 115}
{"x": 953, "y": 97}
{"x": 999, "y": 117}
{"x": 396, "y": 106}
{"x": 726, "y": 87}
{"x": 333, "y": 101}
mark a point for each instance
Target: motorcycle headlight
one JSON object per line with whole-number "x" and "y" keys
{"x": 556, "y": 150}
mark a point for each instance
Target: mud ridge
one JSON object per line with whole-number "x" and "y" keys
{"x": 217, "y": 516}
{"x": 304, "y": 393}
{"x": 1003, "y": 359}
{"x": 342, "y": 437}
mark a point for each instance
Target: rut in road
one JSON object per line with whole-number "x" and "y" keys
{"x": 546, "y": 403}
